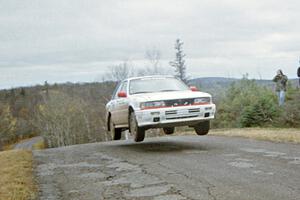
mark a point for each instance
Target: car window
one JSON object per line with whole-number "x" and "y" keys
{"x": 122, "y": 87}
{"x": 117, "y": 89}
{"x": 156, "y": 85}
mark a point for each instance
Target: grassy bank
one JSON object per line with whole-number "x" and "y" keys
{"x": 289, "y": 135}
{"x": 16, "y": 182}
{"x": 268, "y": 134}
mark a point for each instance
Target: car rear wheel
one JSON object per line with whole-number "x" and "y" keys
{"x": 115, "y": 132}
{"x": 202, "y": 128}
{"x": 137, "y": 132}
{"x": 169, "y": 130}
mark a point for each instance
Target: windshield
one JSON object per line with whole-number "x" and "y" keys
{"x": 156, "y": 85}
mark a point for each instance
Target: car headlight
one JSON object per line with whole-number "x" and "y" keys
{"x": 152, "y": 104}
{"x": 202, "y": 100}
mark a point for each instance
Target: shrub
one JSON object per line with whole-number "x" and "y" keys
{"x": 246, "y": 104}
{"x": 261, "y": 112}
{"x": 290, "y": 116}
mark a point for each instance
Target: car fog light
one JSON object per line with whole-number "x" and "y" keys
{"x": 156, "y": 119}
{"x": 155, "y": 113}
{"x": 208, "y": 108}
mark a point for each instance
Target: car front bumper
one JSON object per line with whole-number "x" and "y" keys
{"x": 175, "y": 116}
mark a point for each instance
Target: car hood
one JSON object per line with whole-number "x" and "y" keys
{"x": 157, "y": 96}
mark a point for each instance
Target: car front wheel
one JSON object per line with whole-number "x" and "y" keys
{"x": 137, "y": 132}
{"x": 115, "y": 132}
{"x": 202, "y": 128}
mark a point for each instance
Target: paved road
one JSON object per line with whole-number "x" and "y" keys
{"x": 170, "y": 168}
{"x": 27, "y": 144}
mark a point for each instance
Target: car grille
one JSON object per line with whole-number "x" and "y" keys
{"x": 181, "y": 114}
{"x": 171, "y": 112}
{"x": 174, "y": 112}
{"x": 194, "y": 110}
{"x": 181, "y": 117}
{"x": 179, "y": 102}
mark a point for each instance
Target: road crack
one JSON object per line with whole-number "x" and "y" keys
{"x": 203, "y": 181}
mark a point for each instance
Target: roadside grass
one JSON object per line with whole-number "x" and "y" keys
{"x": 7, "y": 147}
{"x": 289, "y": 135}
{"x": 16, "y": 182}
{"x": 270, "y": 134}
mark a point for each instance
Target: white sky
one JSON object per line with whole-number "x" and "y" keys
{"x": 75, "y": 40}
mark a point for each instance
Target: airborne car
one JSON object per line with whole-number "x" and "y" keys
{"x": 141, "y": 103}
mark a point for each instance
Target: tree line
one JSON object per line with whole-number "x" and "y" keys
{"x": 70, "y": 113}
{"x": 63, "y": 113}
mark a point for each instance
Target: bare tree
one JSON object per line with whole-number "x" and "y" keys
{"x": 7, "y": 125}
{"x": 73, "y": 114}
{"x": 63, "y": 120}
{"x": 119, "y": 72}
{"x": 179, "y": 62}
{"x": 153, "y": 56}
{"x": 153, "y": 66}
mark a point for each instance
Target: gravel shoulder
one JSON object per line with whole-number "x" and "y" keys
{"x": 185, "y": 167}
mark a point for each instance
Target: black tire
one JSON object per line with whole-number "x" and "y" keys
{"x": 137, "y": 132}
{"x": 116, "y": 133}
{"x": 202, "y": 128}
{"x": 169, "y": 130}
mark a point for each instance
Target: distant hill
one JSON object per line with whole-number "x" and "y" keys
{"x": 212, "y": 81}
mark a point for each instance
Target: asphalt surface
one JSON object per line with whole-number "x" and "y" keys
{"x": 27, "y": 144}
{"x": 170, "y": 168}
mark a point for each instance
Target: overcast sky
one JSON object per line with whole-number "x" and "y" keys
{"x": 75, "y": 40}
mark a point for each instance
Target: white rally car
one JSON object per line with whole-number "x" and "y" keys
{"x": 142, "y": 103}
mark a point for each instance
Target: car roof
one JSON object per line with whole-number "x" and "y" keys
{"x": 149, "y": 77}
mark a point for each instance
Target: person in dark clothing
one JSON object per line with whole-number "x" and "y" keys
{"x": 281, "y": 80}
{"x": 298, "y": 73}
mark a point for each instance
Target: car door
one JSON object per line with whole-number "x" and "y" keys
{"x": 112, "y": 105}
{"x": 123, "y": 106}
{"x": 119, "y": 106}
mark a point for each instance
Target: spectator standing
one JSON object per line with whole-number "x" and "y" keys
{"x": 298, "y": 73}
{"x": 281, "y": 80}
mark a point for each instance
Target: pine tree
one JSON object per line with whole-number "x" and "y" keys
{"x": 179, "y": 63}
{"x": 23, "y": 92}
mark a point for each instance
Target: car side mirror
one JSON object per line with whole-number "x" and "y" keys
{"x": 194, "y": 88}
{"x": 122, "y": 94}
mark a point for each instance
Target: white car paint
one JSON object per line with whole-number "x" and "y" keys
{"x": 118, "y": 108}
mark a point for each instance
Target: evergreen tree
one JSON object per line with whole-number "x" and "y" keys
{"x": 179, "y": 63}
{"x": 22, "y": 92}
{"x": 247, "y": 104}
